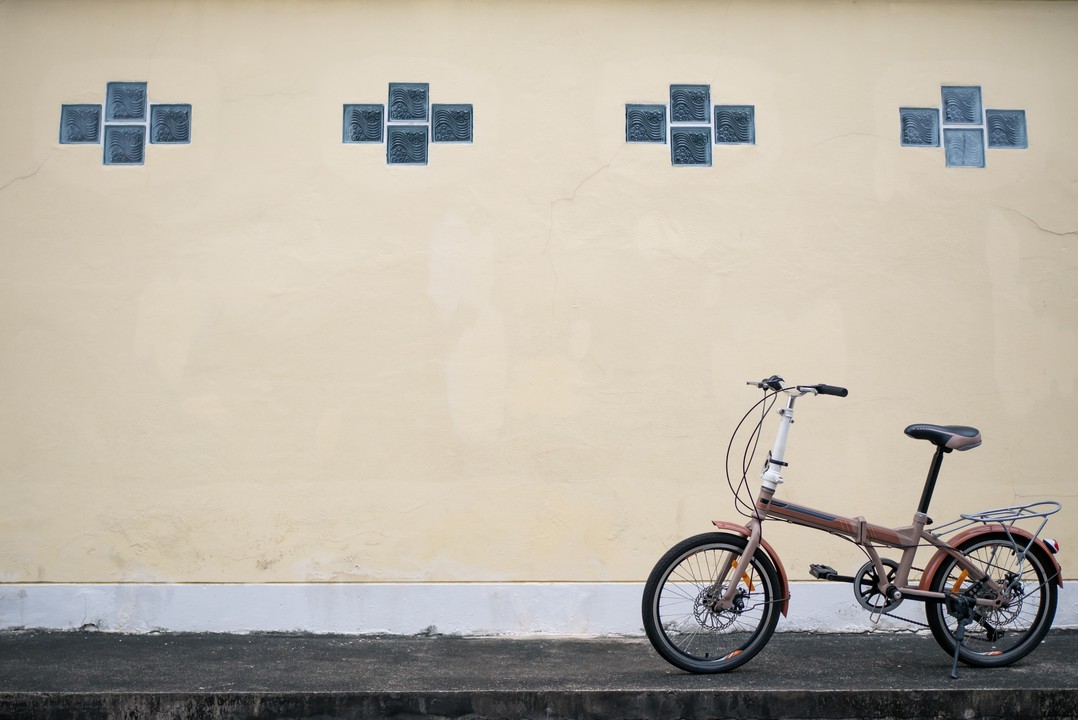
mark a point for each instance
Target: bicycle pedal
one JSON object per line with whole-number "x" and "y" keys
{"x": 822, "y": 572}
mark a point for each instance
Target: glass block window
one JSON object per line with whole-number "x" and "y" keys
{"x": 80, "y": 124}
{"x": 125, "y": 144}
{"x": 125, "y": 101}
{"x": 409, "y": 102}
{"x": 961, "y": 105}
{"x": 690, "y": 103}
{"x": 364, "y": 123}
{"x": 170, "y": 124}
{"x": 690, "y": 146}
{"x": 690, "y": 124}
{"x": 920, "y": 127}
{"x": 409, "y": 124}
{"x": 1006, "y": 128}
{"x": 735, "y": 124}
{"x": 451, "y": 123}
{"x": 645, "y": 123}
{"x": 125, "y": 122}
{"x": 968, "y": 131}
{"x": 406, "y": 145}
{"x": 964, "y": 146}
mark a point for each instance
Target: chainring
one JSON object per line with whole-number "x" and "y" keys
{"x": 866, "y": 587}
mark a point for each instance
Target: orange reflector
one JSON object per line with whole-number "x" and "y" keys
{"x": 961, "y": 579}
{"x": 745, "y": 577}
{"x": 994, "y": 652}
{"x": 735, "y": 653}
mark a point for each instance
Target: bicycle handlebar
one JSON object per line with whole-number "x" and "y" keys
{"x": 775, "y": 383}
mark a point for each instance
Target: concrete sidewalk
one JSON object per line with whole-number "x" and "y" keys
{"x": 98, "y": 675}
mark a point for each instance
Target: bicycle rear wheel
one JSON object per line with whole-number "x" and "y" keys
{"x": 996, "y": 636}
{"x": 680, "y": 617}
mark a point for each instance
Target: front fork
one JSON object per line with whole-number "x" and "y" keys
{"x": 743, "y": 563}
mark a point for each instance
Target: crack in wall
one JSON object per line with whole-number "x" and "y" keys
{"x": 1057, "y": 233}
{"x": 550, "y": 231}
{"x": 14, "y": 180}
{"x": 157, "y": 43}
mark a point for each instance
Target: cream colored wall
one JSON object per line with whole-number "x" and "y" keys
{"x": 267, "y": 356}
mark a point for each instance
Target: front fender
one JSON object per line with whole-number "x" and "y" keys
{"x": 941, "y": 554}
{"x": 744, "y": 532}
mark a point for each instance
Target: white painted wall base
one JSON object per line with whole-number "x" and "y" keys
{"x": 406, "y": 609}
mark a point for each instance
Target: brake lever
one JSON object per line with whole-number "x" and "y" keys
{"x": 772, "y": 383}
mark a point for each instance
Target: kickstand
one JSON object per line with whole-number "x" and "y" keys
{"x": 961, "y": 607}
{"x": 959, "y": 635}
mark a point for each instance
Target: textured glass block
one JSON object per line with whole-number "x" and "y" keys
{"x": 406, "y": 145}
{"x": 920, "y": 127}
{"x": 125, "y": 144}
{"x": 645, "y": 123}
{"x": 735, "y": 124}
{"x": 961, "y": 105}
{"x": 1007, "y": 129}
{"x": 125, "y": 101}
{"x": 451, "y": 123}
{"x": 690, "y": 103}
{"x": 80, "y": 124}
{"x": 170, "y": 124}
{"x": 408, "y": 102}
{"x": 964, "y": 147}
{"x": 363, "y": 123}
{"x": 690, "y": 146}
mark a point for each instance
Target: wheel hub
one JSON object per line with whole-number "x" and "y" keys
{"x": 708, "y": 613}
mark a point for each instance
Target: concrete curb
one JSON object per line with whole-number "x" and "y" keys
{"x": 798, "y": 675}
{"x": 1043, "y": 704}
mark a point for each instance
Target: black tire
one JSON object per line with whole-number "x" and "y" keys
{"x": 996, "y": 637}
{"x": 679, "y": 625}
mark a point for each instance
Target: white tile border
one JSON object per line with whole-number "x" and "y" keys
{"x": 583, "y": 609}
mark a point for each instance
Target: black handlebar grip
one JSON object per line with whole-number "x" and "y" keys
{"x": 832, "y": 390}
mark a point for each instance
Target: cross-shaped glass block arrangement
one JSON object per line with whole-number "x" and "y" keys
{"x": 413, "y": 123}
{"x": 967, "y": 130}
{"x": 692, "y": 124}
{"x": 125, "y": 123}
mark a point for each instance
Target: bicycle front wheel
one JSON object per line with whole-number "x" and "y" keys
{"x": 681, "y": 616}
{"x": 996, "y": 636}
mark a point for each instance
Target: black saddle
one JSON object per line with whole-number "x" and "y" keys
{"x": 952, "y": 437}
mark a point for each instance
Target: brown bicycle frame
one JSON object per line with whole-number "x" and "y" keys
{"x": 869, "y": 537}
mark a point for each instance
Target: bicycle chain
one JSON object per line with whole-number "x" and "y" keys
{"x": 912, "y": 622}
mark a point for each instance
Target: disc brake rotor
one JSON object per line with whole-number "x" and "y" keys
{"x": 707, "y": 612}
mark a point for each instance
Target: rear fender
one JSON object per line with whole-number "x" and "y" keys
{"x": 1016, "y": 532}
{"x": 744, "y": 532}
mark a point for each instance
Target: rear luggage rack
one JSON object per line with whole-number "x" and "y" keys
{"x": 1005, "y": 518}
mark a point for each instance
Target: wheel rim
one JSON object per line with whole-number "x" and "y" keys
{"x": 685, "y": 610}
{"x": 998, "y": 631}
